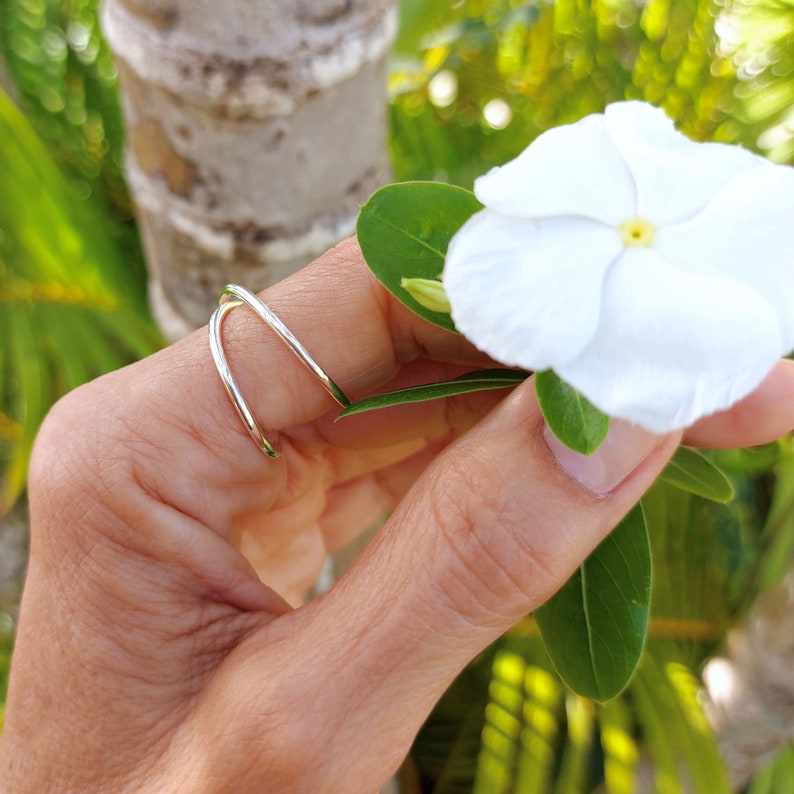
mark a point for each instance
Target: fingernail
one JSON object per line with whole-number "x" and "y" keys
{"x": 624, "y": 448}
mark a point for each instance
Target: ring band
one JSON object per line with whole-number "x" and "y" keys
{"x": 230, "y": 297}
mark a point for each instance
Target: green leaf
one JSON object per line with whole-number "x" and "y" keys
{"x": 422, "y": 18}
{"x": 679, "y": 739}
{"x": 480, "y": 380}
{"x": 776, "y": 776}
{"x": 576, "y": 759}
{"x": 594, "y": 627}
{"x": 690, "y": 471}
{"x": 404, "y": 231}
{"x": 661, "y": 742}
{"x": 571, "y": 417}
{"x": 619, "y": 744}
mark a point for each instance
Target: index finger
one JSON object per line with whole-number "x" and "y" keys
{"x": 192, "y": 445}
{"x": 354, "y": 328}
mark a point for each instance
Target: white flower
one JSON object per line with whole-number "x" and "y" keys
{"x": 653, "y": 274}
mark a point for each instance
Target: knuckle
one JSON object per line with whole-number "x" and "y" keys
{"x": 58, "y": 447}
{"x": 74, "y": 462}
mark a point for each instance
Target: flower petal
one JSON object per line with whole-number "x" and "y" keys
{"x": 570, "y": 170}
{"x": 528, "y": 292}
{"x": 675, "y": 177}
{"x": 671, "y": 346}
{"x": 747, "y": 233}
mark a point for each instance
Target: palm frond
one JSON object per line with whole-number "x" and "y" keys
{"x": 446, "y": 748}
{"x": 549, "y": 63}
{"x": 67, "y": 310}
{"x": 776, "y": 777}
{"x": 522, "y": 721}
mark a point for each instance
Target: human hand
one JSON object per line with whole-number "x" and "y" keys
{"x": 159, "y": 648}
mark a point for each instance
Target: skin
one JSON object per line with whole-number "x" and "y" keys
{"x": 160, "y": 645}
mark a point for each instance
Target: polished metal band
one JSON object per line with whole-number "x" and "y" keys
{"x": 232, "y": 296}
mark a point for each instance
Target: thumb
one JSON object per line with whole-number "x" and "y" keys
{"x": 492, "y": 529}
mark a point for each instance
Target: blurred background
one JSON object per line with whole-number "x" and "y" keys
{"x": 468, "y": 85}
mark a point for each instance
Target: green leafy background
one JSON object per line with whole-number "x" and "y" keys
{"x": 472, "y": 83}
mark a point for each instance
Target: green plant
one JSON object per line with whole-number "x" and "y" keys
{"x": 545, "y": 64}
{"x": 69, "y": 307}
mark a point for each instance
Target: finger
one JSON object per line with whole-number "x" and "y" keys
{"x": 355, "y": 506}
{"x": 288, "y": 565}
{"x": 358, "y": 333}
{"x": 355, "y": 329}
{"x": 491, "y": 530}
{"x": 350, "y": 465}
{"x": 764, "y": 416}
{"x": 287, "y": 547}
{"x": 427, "y": 419}
{"x": 304, "y": 502}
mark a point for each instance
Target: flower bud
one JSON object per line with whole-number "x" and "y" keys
{"x": 427, "y": 292}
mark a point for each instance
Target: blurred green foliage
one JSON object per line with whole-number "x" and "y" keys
{"x": 69, "y": 307}
{"x": 473, "y": 81}
{"x": 72, "y": 281}
{"x": 6, "y": 644}
{"x": 760, "y": 36}
{"x": 66, "y": 80}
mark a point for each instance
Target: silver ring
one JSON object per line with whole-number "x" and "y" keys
{"x": 234, "y": 295}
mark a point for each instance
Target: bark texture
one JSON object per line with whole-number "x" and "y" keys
{"x": 749, "y": 691}
{"x": 255, "y": 129}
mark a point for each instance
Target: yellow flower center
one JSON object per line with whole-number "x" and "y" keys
{"x": 637, "y": 233}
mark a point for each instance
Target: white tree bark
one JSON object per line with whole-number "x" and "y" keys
{"x": 749, "y": 691}
{"x": 255, "y": 130}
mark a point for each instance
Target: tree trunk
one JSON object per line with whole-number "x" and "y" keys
{"x": 750, "y": 689}
{"x": 255, "y": 130}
